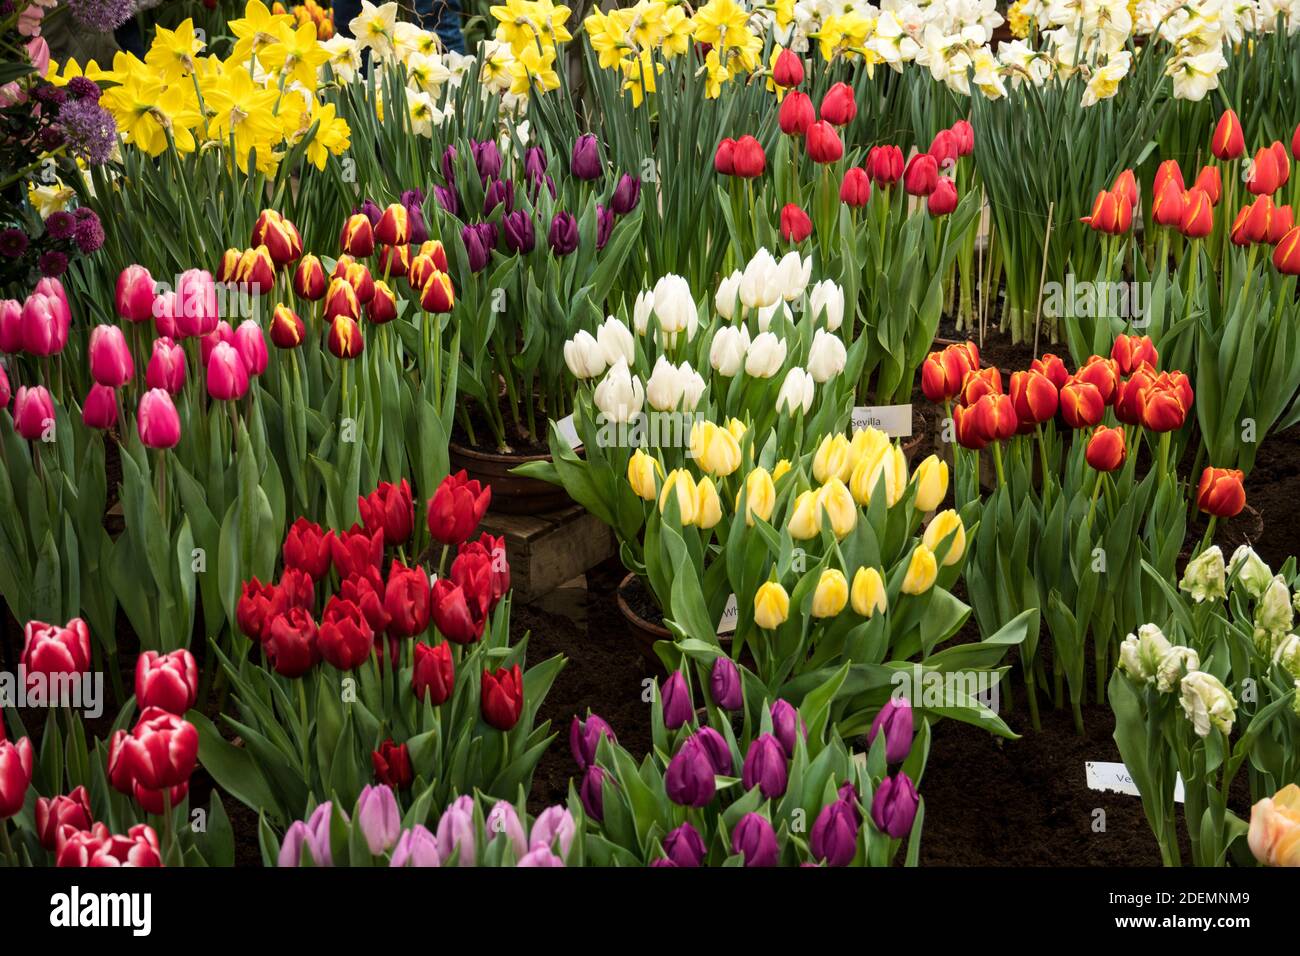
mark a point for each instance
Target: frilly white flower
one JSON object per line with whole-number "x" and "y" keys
{"x": 1207, "y": 703}
{"x": 1274, "y": 615}
{"x": 1177, "y": 663}
{"x": 1205, "y": 576}
{"x": 1141, "y": 653}
{"x": 1250, "y": 570}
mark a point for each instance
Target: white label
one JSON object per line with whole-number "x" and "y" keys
{"x": 1105, "y": 775}
{"x": 569, "y": 432}
{"x": 729, "y": 614}
{"x": 894, "y": 420}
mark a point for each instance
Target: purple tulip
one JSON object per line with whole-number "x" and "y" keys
{"x": 563, "y": 235}
{"x": 313, "y": 834}
{"x": 413, "y": 200}
{"x": 412, "y": 197}
{"x": 896, "y": 720}
{"x": 848, "y": 793}
{"x": 535, "y": 162}
{"x": 894, "y": 806}
{"x": 486, "y": 157}
{"x": 835, "y": 834}
{"x": 787, "y": 725}
{"x": 502, "y": 820}
{"x": 584, "y": 738}
{"x": 585, "y": 163}
{"x": 689, "y": 780}
{"x": 754, "y": 837}
{"x": 446, "y": 198}
{"x": 717, "y": 749}
{"x": 456, "y": 832}
{"x": 489, "y": 233}
{"x": 540, "y": 857}
{"x": 724, "y": 684}
{"x": 518, "y": 229}
{"x": 604, "y": 226}
{"x": 592, "y": 792}
{"x": 499, "y": 192}
{"x": 477, "y": 253}
{"x": 370, "y": 209}
{"x": 415, "y": 847}
{"x": 676, "y": 699}
{"x": 684, "y": 847}
{"x": 626, "y": 195}
{"x": 449, "y": 164}
{"x": 552, "y": 824}
{"x": 378, "y": 816}
{"x": 765, "y": 767}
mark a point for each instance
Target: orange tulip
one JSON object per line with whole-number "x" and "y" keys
{"x": 1102, "y": 372}
{"x": 1286, "y": 257}
{"x": 1197, "y": 220}
{"x": 1132, "y": 395}
{"x": 1034, "y": 397}
{"x": 977, "y": 384}
{"x": 1051, "y": 366}
{"x": 1162, "y": 408}
{"x": 1081, "y": 403}
{"x": 1221, "y": 493}
{"x": 1228, "y": 141}
{"x": 1210, "y": 183}
{"x": 1167, "y": 206}
{"x": 1106, "y": 450}
{"x": 1130, "y": 351}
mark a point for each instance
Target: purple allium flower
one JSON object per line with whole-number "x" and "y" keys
{"x": 83, "y": 88}
{"x": 60, "y": 224}
{"x": 89, "y": 234}
{"x": 52, "y": 263}
{"x": 49, "y": 94}
{"x": 13, "y": 243}
{"x": 90, "y": 130}
{"x": 102, "y": 16}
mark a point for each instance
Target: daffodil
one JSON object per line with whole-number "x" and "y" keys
{"x": 171, "y": 55}
{"x": 296, "y": 55}
{"x": 257, "y": 28}
{"x": 243, "y": 112}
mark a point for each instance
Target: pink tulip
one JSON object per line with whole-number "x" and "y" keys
{"x": 227, "y": 376}
{"x": 33, "y": 412}
{"x": 100, "y": 409}
{"x": 5, "y": 393}
{"x": 222, "y": 333}
{"x": 54, "y": 289}
{"x": 251, "y": 346}
{"x": 110, "y": 358}
{"x": 166, "y": 366}
{"x": 50, "y": 649}
{"x": 164, "y": 315}
{"x": 196, "y": 303}
{"x": 167, "y": 681}
{"x": 11, "y": 326}
{"x": 157, "y": 421}
{"x": 44, "y": 332}
{"x": 135, "y": 294}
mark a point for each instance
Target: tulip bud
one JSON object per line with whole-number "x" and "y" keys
{"x": 1082, "y": 405}
{"x": 944, "y": 148}
{"x": 135, "y": 294}
{"x": 15, "y": 776}
{"x": 895, "y": 720}
{"x": 1106, "y": 449}
{"x": 922, "y": 570}
{"x": 765, "y": 767}
{"x": 44, "y": 331}
{"x": 893, "y": 808}
{"x": 831, "y": 594}
{"x": 787, "y": 71}
{"x": 157, "y": 422}
{"x": 169, "y": 682}
{"x": 748, "y": 158}
{"x": 1220, "y": 492}
{"x": 392, "y": 763}
{"x": 502, "y": 697}
{"x": 946, "y": 526}
{"x": 796, "y": 115}
{"x": 678, "y": 708}
{"x": 345, "y": 637}
{"x": 433, "y": 676}
{"x": 835, "y": 834}
{"x": 227, "y": 376}
{"x": 584, "y": 738}
{"x": 100, "y": 408}
{"x": 1205, "y": 576}
{"x": 855, "y": 188}
{"x": 394, "y": 226}
{"x": 309, "y": 279}
{"x": 379, "y": 818}
{"x": 922, "y": 175}
{"x": 725, "y": 684}
{"x": 754, "y": 839}
{"x": 11, "y": 326}
{"x": 823, "y": 143}
{"x": 358, "y": 237}
{"x": 690, "y": 780}
{"x": 771, "y": 604}
{"x": 943, "y": 198}
{"x": 1269, "y": 171}
{"x": 62, "y": 816}
{"x": 684, "y": 847}
{"x": 885, "y": 165}
{"x": 1286, "y": 256}
{"x": 344, "y": 338}
{"x": 1228, "y": 141}
{"x": 1051, "y": 366}
{"x": 1210, "y": 183}
{"x": 868, "y": 593}
{"x": 838, "y": 105}
{"x": 1167, "y": 206}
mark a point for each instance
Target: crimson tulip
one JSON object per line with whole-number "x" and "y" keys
{"x": 502, "y": 697}
{"x": 11, "y": 326}
{"x": 392, "y": 763}
{"x": 787, "y": 72}
{"x": 161, "y": 750}
{"x": 394, "y": 226}
{"x": 823, "y": 143}
{"x": 456, "y": 508}
{"x": 943, "y": 198}
{"x": 795, "y": 224}
{"x": 345, "y": 637}
{"x": 291, "y": 642}
{"x": 252, "y": 611}
{"x": 59, "y": 817}
{"x": 724, "y": 158}
{"x": 366, "y": 591}
{"x": 100, "y": 408}
{"x": 855, "y": 187}
{"x": 1209, "y": 182}
{"x": 1282, "y": 222}
{"x": 287, "y": 330}
{"x": 357, "y": 551}
{"x": 1167, "y": 206}
{"x": 389, "y": 508}
{"x": 749, "y": 160}
{"x": 838, "y": 105}
{"x": 921, "y": 175}
{"x": 1220, "y": 493}
{"x": 434, "y": 675}
{"x": 885, "y": 165}
{"x": 1269, "y": 171}
{"x": 1286, "y": 257}
{"x": 1163, "y": 409}
{"x": 135, "y": 294}
{"x": 279, "y": 235}
{"x": 965, "y": 134}
{"x": 796, "y": 115}
{"x": 1106, "y": 449}
{"x": 357, "y": 237}
{"x": 437, "y": 295}
{"x": 169, "y": 682}
{"x": 453, "y": 614}
{"x": 492, "y": 551}
{"x": 97, "y": 847}
{"x": 15, "y": 776}
{"x": 344, "y": 338}
{"x": 51, "y": 650}
{"x": 406, "y": 599}
{"x": 944, "y": 148}
{"x": 394, "y": 260}
{"x": 309, "y": 279}
{"x": 1131, "y": 396}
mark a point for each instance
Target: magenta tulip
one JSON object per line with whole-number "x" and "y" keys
{"x": 34, "y": 413}
{"x": 227, "y": 376}
{"x": 44, "y": 332}
{"x": 157, "y": 421}
{"x": 135, "y": 294}
{"x": 110, "y": 357}
{"x": 166, "y": 366}
{"x": 251, "y": 346}
{"x": 11, "y": 326}
{"x": 195, "y": 304}
{"x": 100, "y": 408}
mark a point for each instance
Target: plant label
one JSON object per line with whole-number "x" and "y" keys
{"x": 1114, "y": 777}
{"x": 894, "y": 420}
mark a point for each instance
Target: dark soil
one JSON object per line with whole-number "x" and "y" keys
{"x": 518, "y": 440}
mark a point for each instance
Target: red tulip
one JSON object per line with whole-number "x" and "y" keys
{"x": 796, "y": 115}
{"x": 15, "y": 776}
{"x": 394, "y": 260}
{"x": 1111, "y": 214}
{"x": 294, "y": 589}
{"x": 309, "y": 279}
{"x": 344, "y": 338}
{"x": 503, "y": 697}
{"x": 453, "y": 615}
{"x": 1295, "y": 143}
{"x": 823, "y": 143}
{"x": 493, "y": 551}
{"x": 345, "y": 637}
{"x": 1220, "y": 493}
{"x": 749, "y": 160}
{"x": 943, "y": 199}
{"x": 389, "y": 508}
{"x": 1168, "y": 171}
{"x": 1102, "y": 372}
{"x": 795, "y": 224}
{"x": 60, "y": 817}
{"x": 1163, "y": 409}
{"x": 980, "y": 382}
{"x": 1034, "y": 397}
{"x": 965, "y": 134}
{"x": 367, "y": 593}
{"x": 434, "y": 249}
{"x": 291, "y": 642}
{"x": 1051, "y": 366}
{"x": 382, "y": 306}
{"x": 406, "y": 599}
{"x": 855, "y": 188}
{"x": 169, "y": 682}
{"x": 1106, "y": 449}
{"x": 1082, "y": 405}
{"x": 1167, "y": 206}
{"x": 256, "y": 268}
{"x": 358, "y": 552}
{"x": 358, "y": 276}
{"x": 1228, "y": 141}
{"x": 358, "y": 237}
{"x": 392, "y": 763}
{"x": 394, "y": 226}
{"x": 100, "y": 408}
{"x": 838, "y": 105}
{"x": 885, "y": 165}
{"x": 1130, "y": 351}
{"x": 921, "y": 176}
{"x": 52, "y": 650}
{"x": 1268, "y": 172}
{"x": 279, "y": 235}
{"x": 228, "y": 267}
{"x": 96, "y": 847}
{"x": 944, "y": 148}
{"x": 307, "y": 548}
{"x": 1253, "y": 222}
{"x": 1286, "y": 257}
{"x": 1281, "y": 223}
{"x": 787, "y": 72}
{"x": 287, "y": 330}
{"x": 341, "y": 299}
{"x": 1197, "y": 220}
{"x": 161, "y": 750}
{"x": 994, "y": 417}
{"x": 964, "y": 427}
{"x": 437, "y": 294}
{"x": 1209, "y": 182}
{"x": 943, "y": 372}
{"x": 1131, "y": 396}
{"x": 456, "y": 508}
{"x": 252, "y": 612}
{"x": 434, "y": 675}
{"x": 135, "y": 294}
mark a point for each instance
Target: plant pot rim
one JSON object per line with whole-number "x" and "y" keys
{"x": 478, "y": 454}
{"x": 626, "y": 610}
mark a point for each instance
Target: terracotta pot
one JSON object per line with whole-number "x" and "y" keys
{"x": 511, "y": 494}
{"x": 644, "y": 632}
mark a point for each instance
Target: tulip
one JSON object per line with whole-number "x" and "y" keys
{"x": 1051, "y": 366}
{"x": 840, "y": 508}
{"x": 345, "y": 637}
{"x": 1163, "y": 408}
{"x": 946, "y": 526}
{"x": 708, "y": 506}
{"x": 787, "y": 725}
{"x": 771, "y": 605}
{"x": 796, "y": 392}
{"x": 885, "y": 165}
{"x": 796, "y": 115}
{"x": 5, "y": 393}
{"x": 835, "y": 834}
{"x": 1103, "y": 373}
{"x": 344, "y": 338}
{"x": 502, "y": 697}
{"x": 893, "y": 808}
{"x": 855, "y": 187}
{"x": 11, "y": 326}
{"x": 619, "y": 396}
{"x": 591, "y": 791}
{"x": 394, "y": 226}
{"x": 823, "y": 143}
{"x": 1282, "y": 222}
{"x": 683, "y": 846}
{"x": 1167, "y": 206}
{"x": 51, "y": 650}
{"x": 279, "y": 235}
{"x": 626, "y": 195}
{"x": 965, "y": 430}
{"x": 388, "y": 508}
{"x": 675, "y": 696}
{"x": 943, "y": 199}
{"x": 765, "y": 767}
{"x": 60, "y": 817}
{"x": 167, "y": 368}
{"x": 1130, "y": 351}
{"x": 585, "y": 161}
{"x": 795, "y": 224}
{"x": 922, "y": 175}
{"x": 563, "y": 234}
{"x": 392, "y": 763}
{"x": 868, "y": 592}
{"x": 921, "y": 571}
{"x": 1106, "y": 449}
{"x": 358, "y": 237}
{"x": 725, "y": 684}
{"x": 1269, "y": 171}
{"x": 433, "y": 676}
{"x": 382, "y": 306}
{"x": 415, "y": 847}
{"x": 44, "y": 332}
{"x": 1220, "y": 492}
{"x": 15, "y": 776}
{"x": 1111, "y": 214}
{"x": 291, "y": 642}
{"x": 1210, "y": 183}
{"x": 584, "y": 738}
{"x": 159, "y": 753}
{"x": 760, "y": 496}
{"x": 406, "y": 599}
{"x": 724, "y": 158}
{"x": 1167, "y": 172}
{"x": 307, "y": 548}
{"x": 831, "y": 594}
{"x": 1034, "y": 397}
{"x": 228, "y": 267}
{"x": 379, "y": 818}
{"x": 754, "y": 839}
{"x": 256, "y": 269}
{"x": 787, "y": 71}
{"x": 1082, "y": 404}
{"x": 169, "y": 682}
{"x": 100, "y": 408}
{"x": 980, "y": 382}
{"x": 456, "y": 508}
{"x": 994, "y": 418}
{"x": 689, "y": 780}
{"x": 1206, "y": 702}
{"x": 942, "y": 374}
{"x": 680, "y": 487}
{"x": 1286, "y": 256}
{"x": 227, "y": 376}
{"x": 1228, "y": 141}
{"x": 748, "y": 158}
{"x": 135, "y": 294}
{"x": 157, "y": 422}
{"x": 251, "y": 346}
{"x": 358, "y": 277}
{"x": 1274, "y": 834}
{"x": 944, "y": 148}
{"x": 714, "y": 449}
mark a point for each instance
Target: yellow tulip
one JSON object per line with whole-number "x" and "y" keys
{"x": 805, "y": 517}
{"x": 715, "y": 449}
{"x": 931, "y": 483}
{"x": 838, "y": 505}
{"x": 869, "y": 592}
{"x": 680, "y": 481}
{"x": 831, "y": 595}
{"x": 771, "y": 606}
{"x": 781, "y": 468}
{"x": 641, "y": 472}
{"x": 941, "y": 526}
{"x": 867, "y": 474}
{"x": 869, "y": 443}
{"x": 832, "y": 459}
{"x": 708, "y": 509}
{"x": 921, "y": 571}
{"x": 760, "y": 496}
{"x": 736, "y": 427}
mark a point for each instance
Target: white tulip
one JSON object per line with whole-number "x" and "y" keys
{"x": 725, "y": 298}
{"x": 765, "y": 315}
{"x": 675, "y": 307}
{"x": 827, "y": 356}
{"x": 792, "y": 274}
{"x": 620, "y": 395}
{"x": 759, "y": 285}
{"x": 765, "y": 356}
{"x": 645, "y": 303}
{"x": 693, "y": 385}
{"x": 727, "y": 351}
{"x": 827, "y": 297}
{"x": 796, "y": 392}
{"x": 664, "y": 389}
{"x": 616, "y": 341}
{"x": 584, "y": 356}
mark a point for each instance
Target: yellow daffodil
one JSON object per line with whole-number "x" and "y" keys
{"x": 257, "y": 28}
{"x": 296, "y": 55}
{"x": 171, "y": 55}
